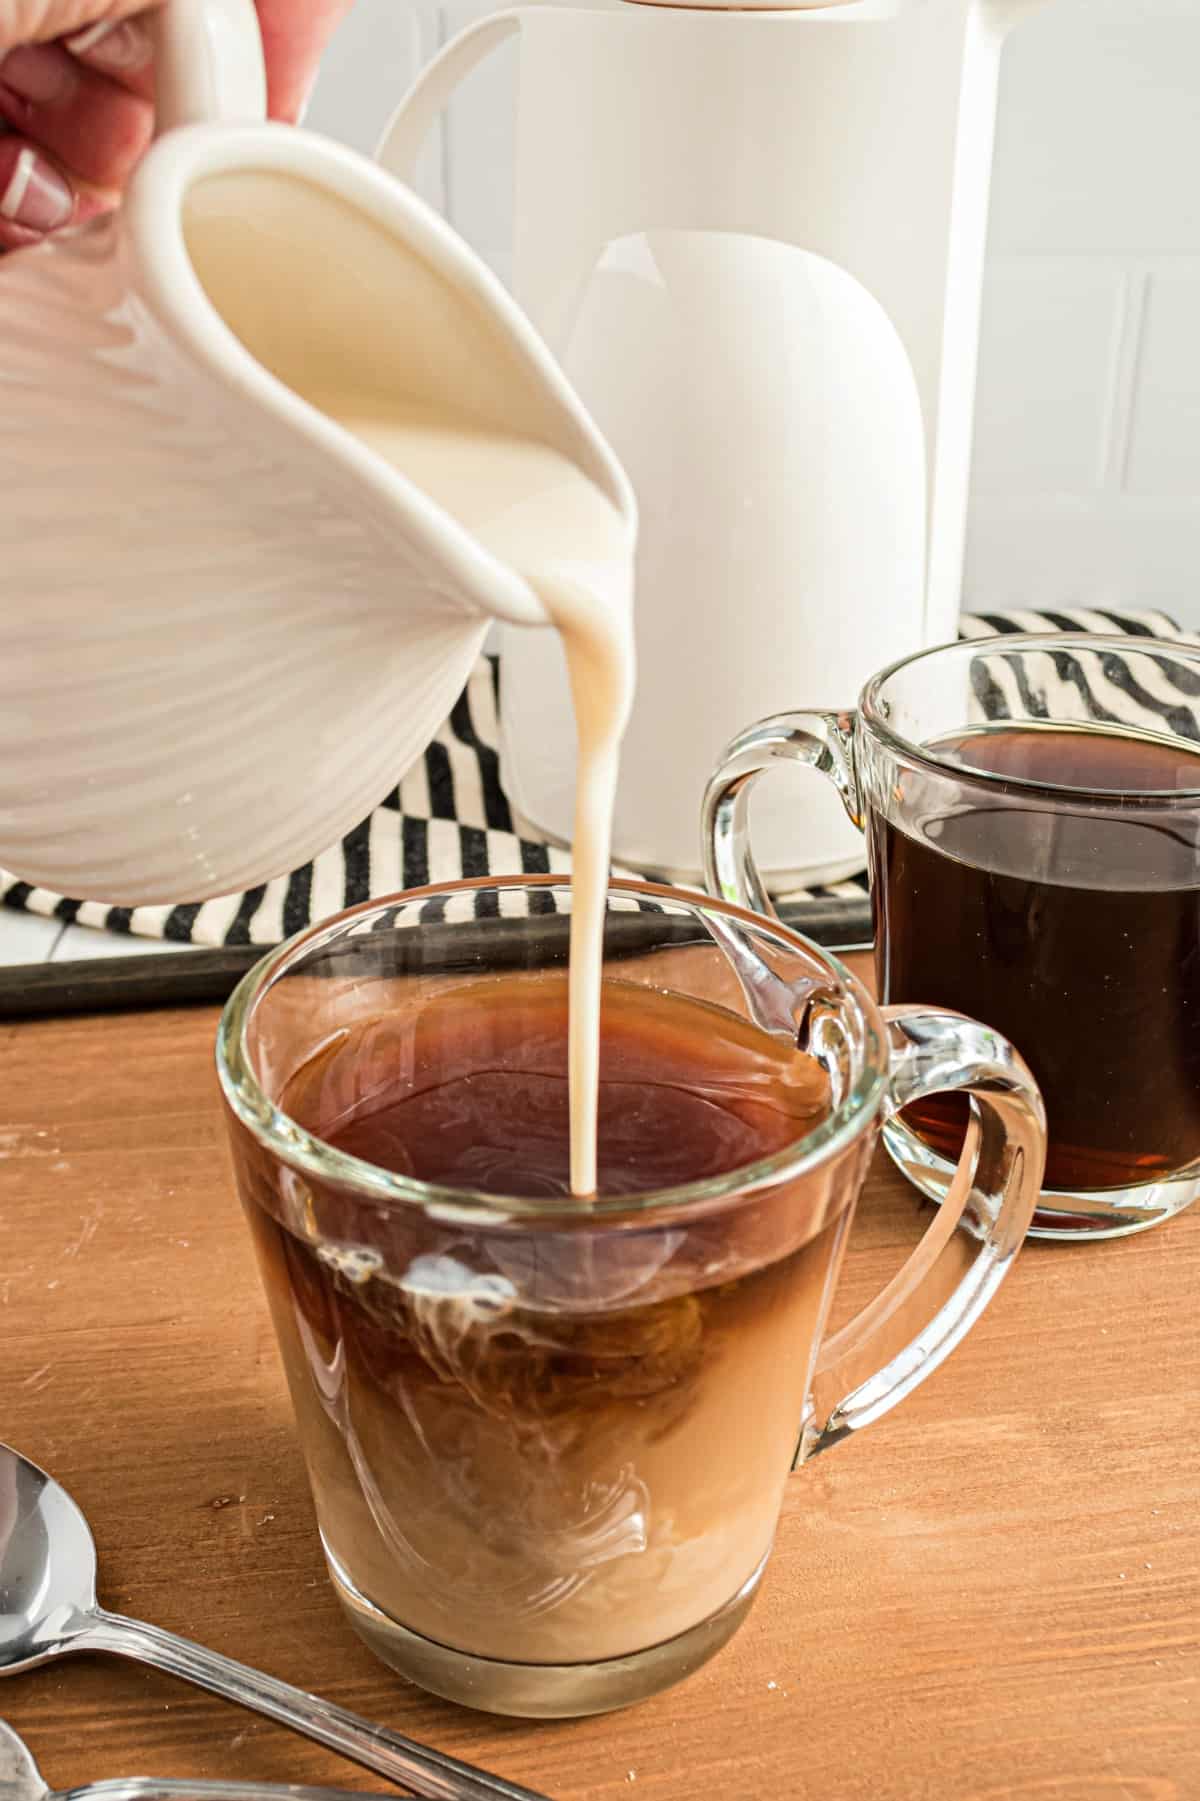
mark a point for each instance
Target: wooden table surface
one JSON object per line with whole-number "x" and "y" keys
{"x": 995, "y": 1593}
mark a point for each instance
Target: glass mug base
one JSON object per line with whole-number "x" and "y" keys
{"x": 540, "y": 1691}
{"x": 1102, "y": 1213}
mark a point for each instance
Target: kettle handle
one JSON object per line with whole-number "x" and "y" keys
{"x": 208, "y": 64}
{"x": 418, "y": 112}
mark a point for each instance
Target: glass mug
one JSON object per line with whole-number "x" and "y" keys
{"x": 1032, "y": 814}
{"x": 548, "y": 1438}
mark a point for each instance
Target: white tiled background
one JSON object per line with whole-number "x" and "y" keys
{"x": 1087, "y": 452}
{"x": 1087, "y": 457}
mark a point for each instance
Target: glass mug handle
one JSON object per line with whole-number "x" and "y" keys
{"x": 823, "y": 741}
{"x": 993, "y": 1196}
{"x": 868, "y": 1366}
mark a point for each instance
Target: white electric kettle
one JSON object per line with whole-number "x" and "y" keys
{"x": 755, "y": 241}
{"x": 228, "y": 626}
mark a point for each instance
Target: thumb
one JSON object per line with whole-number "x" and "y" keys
{"x": 37, "y": 21}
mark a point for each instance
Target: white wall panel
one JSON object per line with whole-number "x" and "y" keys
{"x": 1086, "y": 480}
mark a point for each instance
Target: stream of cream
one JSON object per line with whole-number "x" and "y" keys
{"x": 531, "y": 507}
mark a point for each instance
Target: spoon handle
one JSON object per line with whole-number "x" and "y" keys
{"x": 428, "y": 1773}
{"x": 154, "y": 1788}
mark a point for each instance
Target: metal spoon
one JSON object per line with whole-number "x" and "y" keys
{"x": 21, "y": 1780}
{"x": 48, "y": 1608}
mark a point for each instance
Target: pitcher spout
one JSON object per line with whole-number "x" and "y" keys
{"x": 396, "y": 312}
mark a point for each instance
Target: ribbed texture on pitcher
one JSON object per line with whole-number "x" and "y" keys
{"x": 214, "y": 661}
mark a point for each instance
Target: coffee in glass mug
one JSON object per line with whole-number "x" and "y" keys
{"x": 548, "y": 1435}
{"x": 1032, "y": 812}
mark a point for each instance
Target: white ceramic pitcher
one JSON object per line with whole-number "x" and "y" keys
{"x": 227, "y": 626}
{"x": 755, "y": 241}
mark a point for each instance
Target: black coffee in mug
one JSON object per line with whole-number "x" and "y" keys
{"x": 1072, "y": 930}
{"x": 1032, "y": 813}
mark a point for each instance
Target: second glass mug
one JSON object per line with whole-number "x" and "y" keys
{"x": 1032, "y": 812}
{"x": 548, "y": 1439}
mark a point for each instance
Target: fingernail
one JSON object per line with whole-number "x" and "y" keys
{"x": 37, "y": 73}
{"x": 122, "y": 44}
{"x": 302, "y": 109}
{"x": 36, "y": 195}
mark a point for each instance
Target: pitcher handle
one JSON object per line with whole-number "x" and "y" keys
{"x": 431, "y": 92}
{"x": 208, "y": 64}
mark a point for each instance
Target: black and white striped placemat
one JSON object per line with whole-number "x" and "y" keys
{"x": 449, "y": 818}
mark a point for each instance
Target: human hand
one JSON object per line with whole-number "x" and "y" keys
{"x": 76, "y": 99}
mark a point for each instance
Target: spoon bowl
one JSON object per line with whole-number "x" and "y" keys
{"x": 20, "y": 1778}
{"x": 47, "y": 1566}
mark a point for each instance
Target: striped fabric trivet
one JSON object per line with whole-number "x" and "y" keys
{"x": 449, "y": 818}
